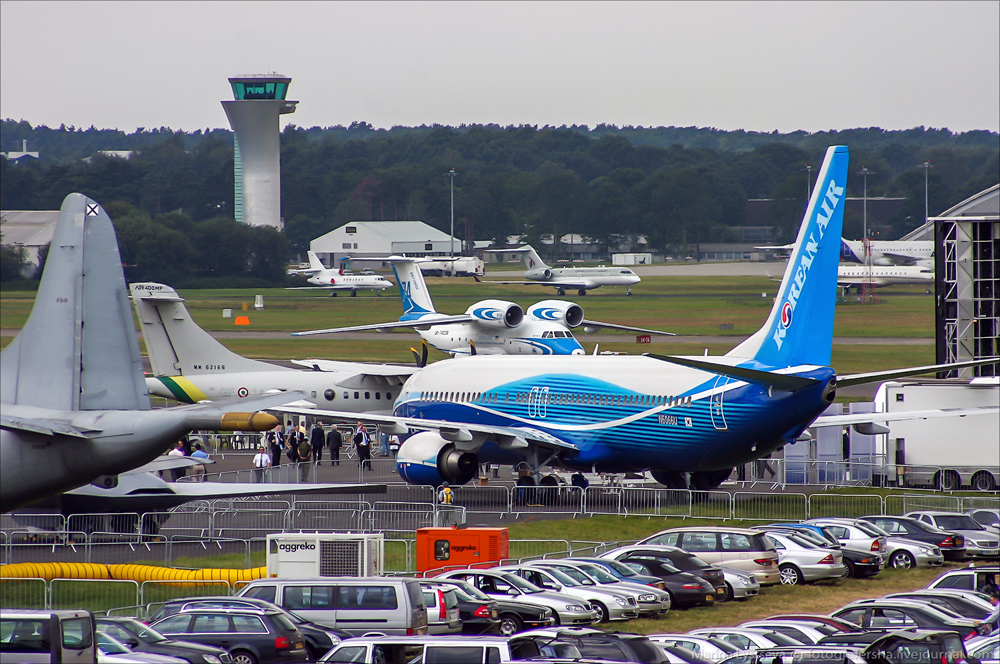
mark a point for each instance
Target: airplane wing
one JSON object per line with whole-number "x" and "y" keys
{"x": 465, "y": 436}
{"x": 628, "y": 328}
{"x": 864, "y": 418}
{"x": 167, "y": 462}
{"x": 46, "y": 427}
{"x": 569, "y": 285}
{"x": 385, "y": 370}
{"x": 900, "y": 259}
{"x": 443, "y": 320}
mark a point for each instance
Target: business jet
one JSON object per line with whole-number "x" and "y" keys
{"x": 339, "y": 280}
{"x": 566, "y": 278}
{"x": 74, "y": 405}
{"x": 189, "y": 365}
{"x": 686, "y": 420}
{"x": 918, "y": 253}
{"x": 488, "y": 327}
{"x": 859, "y": 276}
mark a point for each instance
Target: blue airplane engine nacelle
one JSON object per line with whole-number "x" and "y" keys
{"x": 496, "y": 313}
{"x": 557, "y": 311}
{"x": 427, "y": 458}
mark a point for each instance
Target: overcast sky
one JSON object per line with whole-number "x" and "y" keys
{"x": 758, "y": 66}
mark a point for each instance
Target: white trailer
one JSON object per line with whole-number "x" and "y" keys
{"x": 632, "y": 259}
{"x": 461, "y": 266}
{"x": 944, "y": 452}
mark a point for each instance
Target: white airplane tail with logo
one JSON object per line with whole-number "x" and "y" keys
{"x": 530, "y": 257}
{"x": 176, "y": 345}
{"x": 412, "y": 287}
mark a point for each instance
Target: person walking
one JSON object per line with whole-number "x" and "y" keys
{"x": 177, "y": 451}
{"x": 199, "y": 470}
{"x": 305, "y": 459}
{"x": 445, "y": 498}
{"x": 363, "y": 444}
{"x": 334, "y": 440}
{"x": 274, "y": 438}
{"x": 261, "y": 461}
{"x": 317, "y": 440}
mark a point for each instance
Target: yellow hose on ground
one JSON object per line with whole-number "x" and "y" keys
{"x": 138, "y": 573}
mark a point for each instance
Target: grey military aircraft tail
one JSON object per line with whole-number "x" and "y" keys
{"x": 75, "y": 405}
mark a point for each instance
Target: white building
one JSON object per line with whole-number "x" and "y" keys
{"x": 361, "y": 239}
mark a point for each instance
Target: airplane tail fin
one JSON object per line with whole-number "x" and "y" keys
{"x": 530, "y": 257}
{"x": 799, "y": 329}
{"x": 176, "y": 345}
{"x": 78, "y": 349}
{"x": 412, "y": 287}
{"x": 314, "y": 262}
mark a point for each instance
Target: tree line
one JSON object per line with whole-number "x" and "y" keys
{"x": 172, "y": 202}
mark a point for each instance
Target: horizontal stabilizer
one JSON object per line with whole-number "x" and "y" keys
{"x": 866, "y": 418}
{"x": 783, "y": 382}
{"x": 47, "y": 427}
{"x": 880, "y": 376}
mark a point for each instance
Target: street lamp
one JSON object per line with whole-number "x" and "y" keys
{"x": 864, "y": 172}
{"x": 926, "y": 166}
{"x": 451, "y": 175}
{"x": 808, "y": 170}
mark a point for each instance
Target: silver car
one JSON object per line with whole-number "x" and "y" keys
{"x": 902, "y": 553}
{"x": 705, "y": 647}
{"x": 852, "y": 534}
{"x": 984, "y": 648}
{"x": 979, "y": 542}
{"x": 504, "y": 585}
{"x": 987, "y": 518}
{"x": 747, "y": 639}
{"x": 803, "y": 632}
{"x": 801, "y": 561}
{"x": 610, "y": 605}
{"x": 651, "y": 601}
{"x": 740, "y": 584}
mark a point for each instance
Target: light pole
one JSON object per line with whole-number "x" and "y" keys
{"x": 864, "y": 172}
{"x": 808, "y": 170}
{"x": 926, "y": 166}
{"x": 451, "y": 175}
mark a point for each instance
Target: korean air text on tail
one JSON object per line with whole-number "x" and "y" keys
{"x": 799, "y": 329}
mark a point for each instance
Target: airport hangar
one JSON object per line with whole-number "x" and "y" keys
{"x": 361, "y": 239}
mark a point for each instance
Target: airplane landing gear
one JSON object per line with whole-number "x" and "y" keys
{"x": 628, "y": 291}
{"x": 354, "y": 293}
{"x": 582, "y": 291}
{"x": 560, "y": 291}
{"x": 333, "y": 294}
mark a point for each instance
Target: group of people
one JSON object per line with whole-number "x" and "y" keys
{"x": 183, "y": 448}
{"x": 307, "y": 450}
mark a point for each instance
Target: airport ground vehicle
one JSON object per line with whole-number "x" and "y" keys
{"x": 900, "y": 552}
{"x": 802, "y": 561}
{"x": 382, "y": 649}
{"x": 47, "y": 636}
{"x": 566, "y": 610}
{"x": 143, "y": 638}
{"x": 252, "y": 636}
{"x": 952, "y": 545}
{"x": 885, "y": 613}
{"x": 354, "y": 604}
{"x": 979, "y": 542}
{"x": 610, "y": 605}
{"x": 737, "y": 548}
{"x": 319, "y": 638}
{"x": 654, "y": 555}
{"x": 442, "y": 609}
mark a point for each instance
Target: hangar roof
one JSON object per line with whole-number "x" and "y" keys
{"x": 31, "y": 228}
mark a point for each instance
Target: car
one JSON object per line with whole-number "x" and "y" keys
{"x": 979, "y": 542}
{"x": 319, "y": 638}
{"x": 378, "y": 648}
{"x": 825, "y": 623}
{"x": 984, "y": 648}
{"x": 60, "y": 635}
{"x": 982, "y": 579}
{"x": 740, "y": 585}
{"x": 504, "y": 585}
{"x": 801, "y": 561}
{"x": 624, "y": 572}
{"x": 797, "y": 655}
{"x": 595, "y": 644}
{"x": 650, "y": 601}
{"x": 705, "y": 647}
{"x": 681, "y": 655}
{"x": 952, "y": 545}
{"x": 854, "y": 535}
{"x": 140, "y": 637}
{"x": 860, "y": 564}
{"x": 477, "y": 611}
{"x": 900, "y": 553}
{"x": 610, "y": 605}
{"x": 737, "y": 548}
{"x": 967, "y": 603}
{"x": 252, "y": 636}
{"x": 746, "y": 638}
{"x": 988, "y": 518}
{"x": 676, "y": 557}
{"x": 113, "y": 651}
{"x": 802, "y": 632}
{"x": 686, "y": 589}
{"x": 902, "y": 614}
{"x": 442, "y": 609}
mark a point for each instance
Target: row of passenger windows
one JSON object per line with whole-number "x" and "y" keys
{"x": 330, "y": 395}
{"x": 557, "y": 398}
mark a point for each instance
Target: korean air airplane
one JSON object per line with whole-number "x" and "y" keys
{"x": 686, "y": 420}
{"x": 488, "y": 327}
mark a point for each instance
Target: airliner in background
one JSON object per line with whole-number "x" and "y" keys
{"x": 919, "y": 253}
{"x": 562, "y": 279}
{"x": 339, "y": 280}
{"x": 488, "y": 327}
{"x": 859, "y": 276}
{"x": 686, "y": 420}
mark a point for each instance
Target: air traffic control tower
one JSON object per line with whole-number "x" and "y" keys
{"x": 253, "y": 115}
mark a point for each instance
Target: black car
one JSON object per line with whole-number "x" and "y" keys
{"x": 903, "y": 614}
{"x": 624, "y": 572}
{"x": 685, "y": 562}
{"x": 861, "y": 564}
{"x": 252, "y": 636}
{"x": 482, "y": 614}
{"x": 952, "y": 545}
{"x": 686, "y": 589}
{"x": 143, "y": 638}
{"x": 319, "y": 638}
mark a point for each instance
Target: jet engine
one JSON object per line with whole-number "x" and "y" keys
{"x": 557, "y": 311}
{"x": 496, "y": 313}
{"x": 540, "y": 273}
{"x": 427, "y": 458}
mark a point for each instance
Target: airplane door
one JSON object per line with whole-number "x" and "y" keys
{"x": 715, "y": 405}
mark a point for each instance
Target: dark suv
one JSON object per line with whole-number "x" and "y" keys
{"x": 251, "y": 636}
{"x": 143, "y": 638}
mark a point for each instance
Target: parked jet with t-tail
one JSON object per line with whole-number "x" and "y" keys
{"x": 581, "y": 279}
{"x": 687, "y": 420}
{"x": 488, "y": 327}
{"x": 339, "y": 280}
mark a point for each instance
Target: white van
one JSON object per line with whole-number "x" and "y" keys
{"x": 27, "y": 637}
{"x": 450, "y": 649}
{"x": 390, "y": 605}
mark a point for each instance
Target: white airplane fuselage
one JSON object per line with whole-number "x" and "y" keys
{"x": 349, "y": 282}
{"x": 919, "y": 253}
{"x": 531, "y": 337}
{"x": 583, "y": 278}
{"x": 854, "y": 276}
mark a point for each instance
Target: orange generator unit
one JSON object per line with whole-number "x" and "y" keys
{"x": 460, "y": 547}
